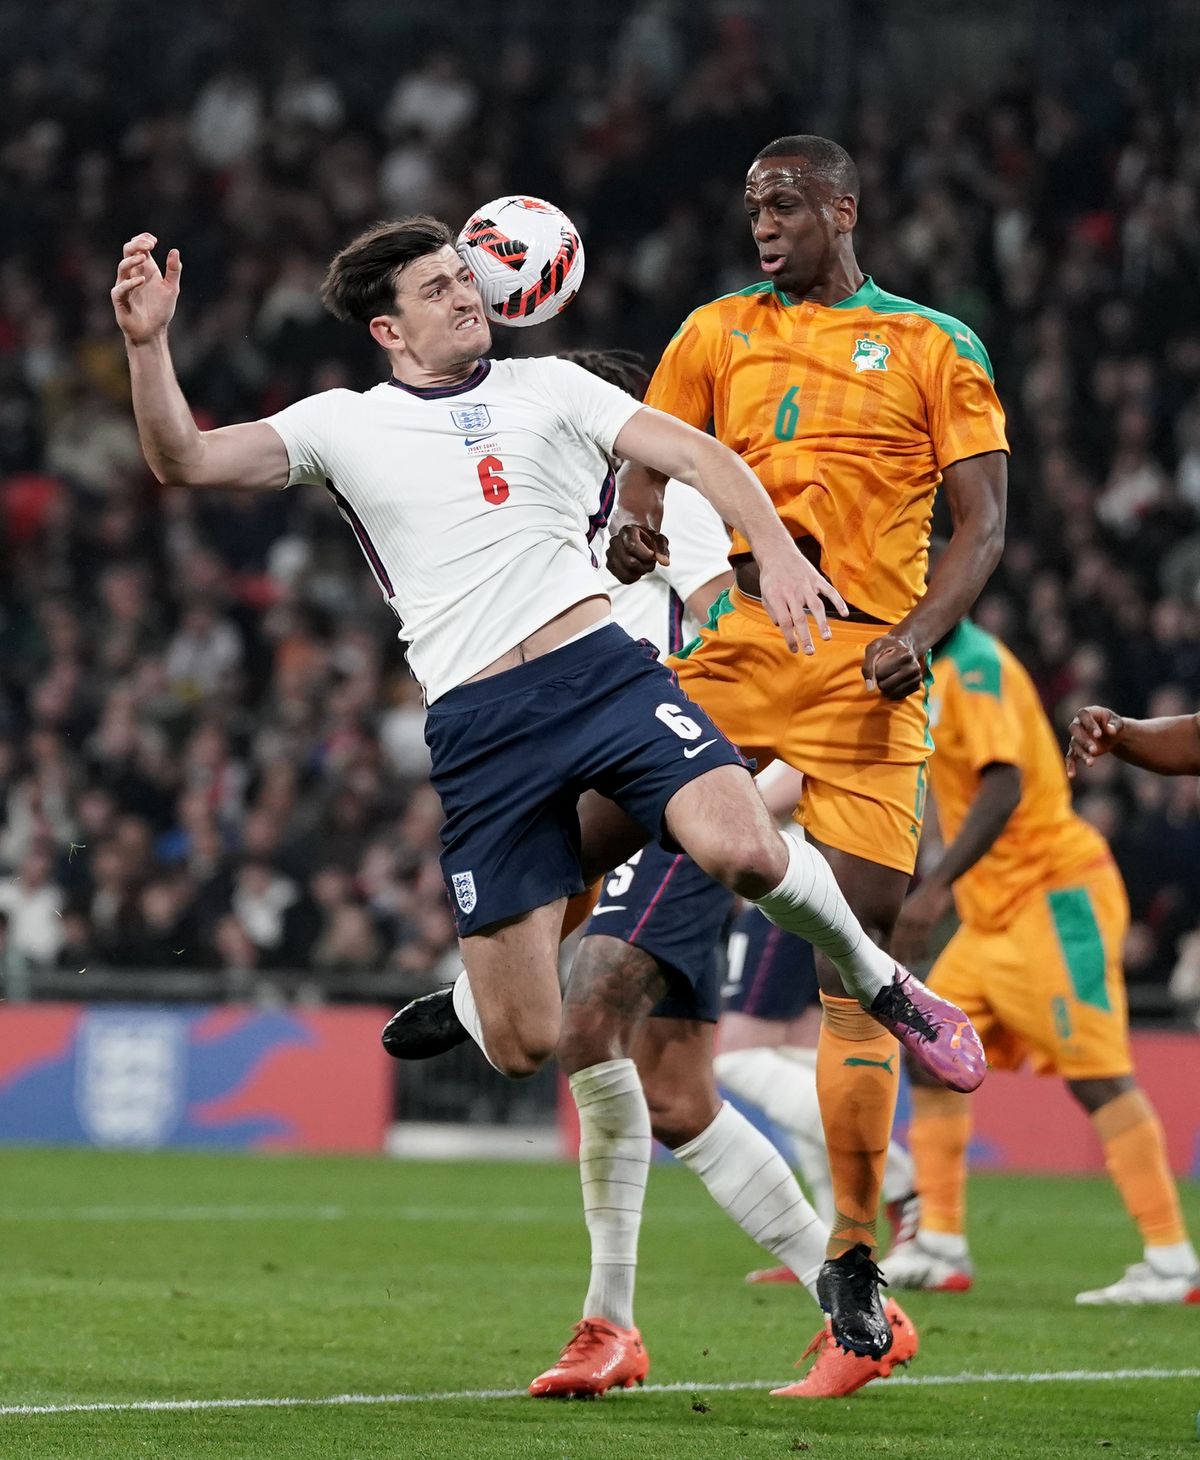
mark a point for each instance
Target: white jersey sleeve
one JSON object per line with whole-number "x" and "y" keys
{"x": 596, "y": 409}
{"x": 305, "y": 429}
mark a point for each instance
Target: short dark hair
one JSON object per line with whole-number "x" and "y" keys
{"x": 829, "y": 159}
{"x": 361, "y": 279}
{"x": 625, "y": 369}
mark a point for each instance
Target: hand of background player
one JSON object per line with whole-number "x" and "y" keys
{"x": 893, "y": 666}
{"x": 920, "y": 914}
{"x": 635, "y": 550}
{"x": 791, "y": 589}
{"x": 143, "y": 300}
{"x": 1094, "y": 732}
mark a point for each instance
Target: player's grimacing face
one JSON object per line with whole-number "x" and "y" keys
{"x": 440, "y": 313}
{"x": 795, "y": 219}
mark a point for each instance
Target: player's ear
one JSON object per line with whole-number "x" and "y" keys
{"x": 845, "y": 212}
{"x": 385, "y": 331}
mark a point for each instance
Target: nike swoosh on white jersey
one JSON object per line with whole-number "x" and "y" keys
{"x": 611, "y": 907}
{"x": 696, "y": 749}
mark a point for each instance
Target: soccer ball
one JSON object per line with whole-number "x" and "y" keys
{"x": 526, "y": 257}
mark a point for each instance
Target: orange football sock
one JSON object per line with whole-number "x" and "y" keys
{"x": 579, "y": 909}
{"x": 1135, "y": 1152}
{"x": 937, "y": 1139}
{"x": 857, "y": 1080}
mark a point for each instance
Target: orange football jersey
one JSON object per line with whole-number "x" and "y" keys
{"x": 848, "y": 414}
{"x": 986, "y": 711}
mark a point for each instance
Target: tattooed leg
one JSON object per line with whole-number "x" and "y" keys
{"x": 611, "y": 990}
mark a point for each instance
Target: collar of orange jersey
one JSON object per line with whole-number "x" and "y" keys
{"x": 863, "y": 297}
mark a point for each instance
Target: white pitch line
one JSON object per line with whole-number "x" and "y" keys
{"x": 691, "y": 1386}
{"x": 330, "y": 1213}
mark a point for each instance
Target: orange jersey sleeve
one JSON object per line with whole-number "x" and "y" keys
{"x": 682, "y": 386}
{"x": 965, "y": 415}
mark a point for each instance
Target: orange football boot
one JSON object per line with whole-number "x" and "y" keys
{"x": 598, "y": 1357}
{"x": 837, "y": 1373}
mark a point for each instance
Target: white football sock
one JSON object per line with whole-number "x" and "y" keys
{"x": 782, "y": 1082}
{"x": 614, "y": 1161}
{"x": 748, "y": 1178}
{"x": 809, "y": 903}
{"x": 468, "y": 1015}
{"x": 952, "y": 1246}
{"x": 899, "y": 1176}
{"x": 1176, "y": 1259}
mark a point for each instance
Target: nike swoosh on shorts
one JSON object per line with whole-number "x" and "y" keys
{"x": 696, "y": 749}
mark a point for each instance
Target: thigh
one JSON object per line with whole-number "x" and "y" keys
{"x": 863, "y": 757}
{"x": 510, "y": 839}
{"x": 971, "y": 966}
{"x": 641, "y": 739}
{"x": 771, "y": 976}
{"x": 663, "y": 904}
{"x": 513, "y": 973}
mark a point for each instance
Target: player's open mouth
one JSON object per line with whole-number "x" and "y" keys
{"x": 469, "y": 323}
{"x": 772, "y": 262}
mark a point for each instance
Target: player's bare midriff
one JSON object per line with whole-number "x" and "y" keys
{"x": 550, "y": 636}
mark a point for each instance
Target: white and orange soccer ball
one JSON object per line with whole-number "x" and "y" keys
{"x": 526, "y": 257}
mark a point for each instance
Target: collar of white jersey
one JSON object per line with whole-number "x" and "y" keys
{"x": 439, "y": 392}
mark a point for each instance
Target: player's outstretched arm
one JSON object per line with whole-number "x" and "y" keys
{"x": 1169, "y": 744}
{"x": 791, "y": 587}
{"x": 178, "y": 453}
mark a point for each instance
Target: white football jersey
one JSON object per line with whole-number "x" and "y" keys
{"x": 475, "y": 505}
{"x": 655, "y": 607}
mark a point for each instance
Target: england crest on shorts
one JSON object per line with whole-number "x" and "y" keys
{"x": 464, "y": 890}
{"x": 471, "y": 418}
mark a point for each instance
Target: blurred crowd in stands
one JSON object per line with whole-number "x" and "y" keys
{"x": 211, "y": 752}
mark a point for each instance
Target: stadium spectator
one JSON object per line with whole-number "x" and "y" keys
{"x": 222, "y": 671}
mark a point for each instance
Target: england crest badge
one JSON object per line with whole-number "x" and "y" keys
{"x": 464, "y": 890}
{"x": 471, "y": 419}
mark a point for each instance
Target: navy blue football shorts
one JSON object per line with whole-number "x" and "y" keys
{"x": 513, "y": 753}
{"x": 662, "y": 903}
{"x": 771, "y": 974}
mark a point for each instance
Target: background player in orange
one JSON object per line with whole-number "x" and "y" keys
{"x": 1036, "y": 963}
{"x": 852, "y": 406}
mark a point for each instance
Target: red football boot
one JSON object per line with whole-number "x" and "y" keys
{"x": 598, "y": 1357}
{"x": 837, "y": 1373}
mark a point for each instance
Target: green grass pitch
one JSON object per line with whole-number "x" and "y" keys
{"x": 128, "y": 1278}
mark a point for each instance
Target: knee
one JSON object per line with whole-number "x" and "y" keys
{"x": 679, "y": 1116}
{"x": 750, "y": 863}
{"x": 1093, "y": 1095}
{"x": 520, "y": 1052}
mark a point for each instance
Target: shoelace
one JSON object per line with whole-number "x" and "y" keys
{"x": 585, "y": 1339}
{"x": 816, "y": 1347}
{"x": 863, "y": 1279}
{"x": 903, "y": 1011}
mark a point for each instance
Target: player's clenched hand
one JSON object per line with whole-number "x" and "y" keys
{"x": 1094, "y": 732}
{"x": 920, "y": 914}
{"x": 143, "y": 297}
{"x": 635, "y": 550}
{"x": 893, "y": 665}
{"x": 792, "y": 589}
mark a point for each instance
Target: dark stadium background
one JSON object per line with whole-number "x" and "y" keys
{"x": 212, "y": 776}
